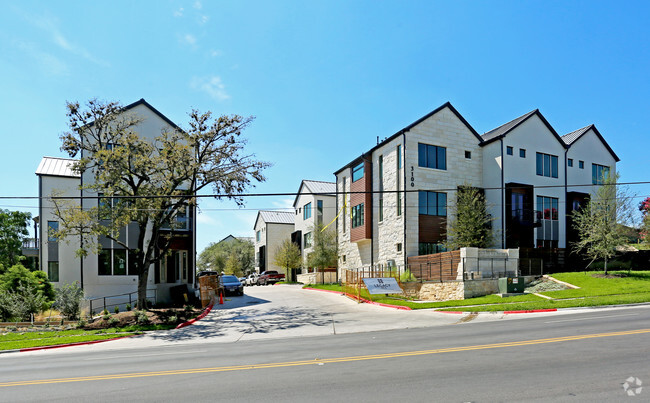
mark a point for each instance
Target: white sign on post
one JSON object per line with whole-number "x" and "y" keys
{"x": 387, "y": 285}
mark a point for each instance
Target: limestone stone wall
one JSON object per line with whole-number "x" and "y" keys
{"x": 479, "y": 288}
{"x": 317, "y": 278}
{"x": 452, "y": 290}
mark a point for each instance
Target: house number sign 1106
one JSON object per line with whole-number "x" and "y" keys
{"x": 412, "y": 177}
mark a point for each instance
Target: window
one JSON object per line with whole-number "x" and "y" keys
{"x": 509, "y": 150}
{"x": 522, "y": 153}
{"x": 570, "y": 162}
{"x": 433, "y": 203}
{"x": 258, "y": 236}
{"x": 581, "y": 164}
{"x": 399, "y": 156}
{"x": 319, "y": 212}
{"x": 399, "y": 247}
{"x": 357, "y": 215}
{"x": 345, "y": 218}
{"x": 381, "y": 172}
{"x": 52, "y": 227}
{"x": 179, "y": 220}
{"x": 306, "y": 211}
{"x": 468, "y": 155}
{"x": 381, "y": 209}
{"x": 547, "y": 207}
{"x": 547, "y": 165}
{"x": 114, "y": 262}
{"x": 344, "y": 257}
{"x": 428, "y": 248}
{"x": 432, "y": 156}
{"x": 53, "y": 271}
{"x": 307, "y": 240}
{"x": 599, "y": 173}
{"x": 357, "y": 172}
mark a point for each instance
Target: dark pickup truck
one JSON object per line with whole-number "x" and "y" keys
{"x": 270, "y": 277}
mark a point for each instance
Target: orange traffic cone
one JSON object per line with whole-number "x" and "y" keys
{"x": 221, "y": 298}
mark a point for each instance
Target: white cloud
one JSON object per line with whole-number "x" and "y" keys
{"x": 203, "y": 19}
{"x": 212, "y": 86}
{"x": 215, "y": 53}
{"x": 198, "y": 5}
{"x": 189, "y": 39}
{"x": 46, "y": 61}
{"x": 179, "y": 12}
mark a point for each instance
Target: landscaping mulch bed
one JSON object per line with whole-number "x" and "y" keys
{"x": 543, "y": 285}
{"x": 164, "y": 316}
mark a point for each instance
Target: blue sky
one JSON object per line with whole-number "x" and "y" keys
{"x": 323, "y": 78}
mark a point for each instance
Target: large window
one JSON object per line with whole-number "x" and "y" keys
{"x": 179, "y": 221}
{"x": 381, "y": 209}
{"x": 598, "y": 174}
{"x": 399, "y": 180}
{"x": 53, "y": 271}
{"x": 258, "y": 236}
{"x": 432, "y": 156}
{"x": 547, "y": 207}
{"x": 547, "y": 165}
{"x": 306, "y": 211}
{"x": 357, "y": 215}
{"x": 433, "y": 203}
{"x": 52, "y": 227}
{"x": 357, "y": 172}
{"x": 307, "y": 238}
{"x": 319, "y": 212}
{"x": 116, "y": 262}
{"x": 548, "y": 233}
{"x": 428, "y": 248}
{"x": 345, "y": 198}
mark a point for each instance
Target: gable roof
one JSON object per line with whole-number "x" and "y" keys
{"x": 575, "y": 135}
{"x": 501, "y": 131}
{"x": 141, "y": 101}
{"x": 54, "y": 166}
{"x": 316, "y": 187}
{"x": 412, "y": 125}
{"x": 275, "y": 217}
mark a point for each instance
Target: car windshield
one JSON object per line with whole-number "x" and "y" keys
{"x": 229, "y": 279}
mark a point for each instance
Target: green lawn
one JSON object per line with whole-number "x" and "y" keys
{"x": 593, "y": 291}
{"x": 11, "y": 341}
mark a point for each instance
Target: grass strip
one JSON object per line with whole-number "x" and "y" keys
{"x": 53, "y": 341}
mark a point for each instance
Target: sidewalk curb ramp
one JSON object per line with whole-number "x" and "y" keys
{"x": 365, "y": 301}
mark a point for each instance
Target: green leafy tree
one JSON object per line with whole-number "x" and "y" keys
{"x": 471, "y": 224}
{"x": 325, "y": 250}
{"x": 216, "y": 255}
{"x": 13, "y": 277}
{"x": 600, "y": 223}
{"x": 287, "y": 256}
{"x": 68, "y": 300}
{"x": 13, "y": 230}
{"x": 149, "y": 182}
{"x": 233, "y": 266}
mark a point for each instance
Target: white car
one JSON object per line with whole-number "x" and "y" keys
{"x": 252, "y": 279}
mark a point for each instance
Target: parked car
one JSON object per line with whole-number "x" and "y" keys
{"x": 231, "y": 284}
{"x": 242, "y": 280}
{"x": 252, "y": 279}
{"x": 270, "y": 277}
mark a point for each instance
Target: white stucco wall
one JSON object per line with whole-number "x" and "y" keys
{"x": 591, "y": 150}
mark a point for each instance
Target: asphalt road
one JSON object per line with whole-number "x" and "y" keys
{"x": 579, "y": 355}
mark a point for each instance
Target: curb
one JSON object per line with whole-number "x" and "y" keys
{"x": 83, "y": 343}
{"x": 201, "y": 316}
{"x": 504, "y": 312}
{"x": 365, "y": 301}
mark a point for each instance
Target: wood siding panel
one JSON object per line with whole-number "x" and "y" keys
{"x": 364, "y": 184}
{"x": 432, "y": 228}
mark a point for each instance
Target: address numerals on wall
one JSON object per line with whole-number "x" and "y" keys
{"x": 412, "y": 176}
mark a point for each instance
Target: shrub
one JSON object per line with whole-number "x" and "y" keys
{"x": 68, "y": 300}
{"x": 128, "y": 307}
{"x": 113, "y": 321}
{"x": 107, "y": 315}
{"x": 407, "y": 276}
{"x": 172, "y": 319}
{"x": 141, "y": 318}
{"x": 105, "y": 312}
{"x": 116, "y": 310}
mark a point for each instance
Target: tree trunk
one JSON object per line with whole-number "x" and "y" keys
{"x": 605, "y": 266}
{"x": 143, "y": 273}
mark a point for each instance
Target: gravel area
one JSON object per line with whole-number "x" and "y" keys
{"x": 543, "y": 285}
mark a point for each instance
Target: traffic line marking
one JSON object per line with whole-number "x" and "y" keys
{"x": 321, "y": 361}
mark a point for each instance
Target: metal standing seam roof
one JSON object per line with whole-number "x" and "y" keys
{"x": 506, "y": 127}
{"x": 569, "y": 138}
{"x": 320, "y": 187}
{"x": 53, "y": 166}
{"x": 277, "y": 217}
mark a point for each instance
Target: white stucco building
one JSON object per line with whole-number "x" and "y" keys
{"x": 271, "y": 229}
{"x": 110, "y": 272}
{"x": 524, "y": 168}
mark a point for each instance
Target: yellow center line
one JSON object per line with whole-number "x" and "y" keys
{"x": 323, "y": 360}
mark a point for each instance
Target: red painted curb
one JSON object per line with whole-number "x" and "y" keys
{"x": 22, "y": 350}
{"x": 532, "y": 311}
{"x": 201, "y": 316}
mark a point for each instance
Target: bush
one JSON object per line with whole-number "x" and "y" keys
{"x": 141, "y": 318}
{"x": 17, "y": 274}
{"x": 116, "y": 310}
{"x": 68, "y": 300}
{"x": 105, "y": 312}
{"x": 172, "y": 319}
{"x": 407, "y": 276}
{"x": 128, "y": 307}
{"x": 113, "y": 321}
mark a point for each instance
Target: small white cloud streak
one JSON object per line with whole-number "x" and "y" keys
{"x": 197, "y": 5}
{"x": 189, "y": 39}
{"x": 211, "y": 86}
{"x": 46, "y": 61}
{"x": 179, "y": 12}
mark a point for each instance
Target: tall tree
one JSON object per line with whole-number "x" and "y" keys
{"x": 287, "y": 256}
{"x": 216, "y": 255}
{"x": 150, "y": 182}
{"x": 325, "y": 249}
{"x": 600, "y": 223}
{"x": 13, "y": 230}
{"x": 471, "y": 224}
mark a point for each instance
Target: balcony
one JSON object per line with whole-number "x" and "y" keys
{"x": 30, "y": 247}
